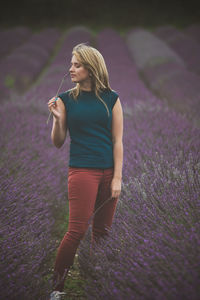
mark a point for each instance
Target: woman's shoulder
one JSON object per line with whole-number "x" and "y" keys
{"x": 114, "y": 93}
{"x": 111, "y": 92}
{"x": 110, "y": 96}
{"x": 65, "y": 94}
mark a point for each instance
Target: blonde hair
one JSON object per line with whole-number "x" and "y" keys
{"x": 94, "y": 62}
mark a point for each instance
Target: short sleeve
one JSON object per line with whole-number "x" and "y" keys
{"x": 65, "y": 99}
{"x": 114, "y": 97}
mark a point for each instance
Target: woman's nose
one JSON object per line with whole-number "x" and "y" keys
{"x": 71, "y": 69}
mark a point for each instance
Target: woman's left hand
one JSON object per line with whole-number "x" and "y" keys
{"x": 115, "y": 187}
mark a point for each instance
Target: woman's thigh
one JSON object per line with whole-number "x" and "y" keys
{"x": 83, "y": 186}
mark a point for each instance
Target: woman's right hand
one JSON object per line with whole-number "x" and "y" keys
{"x": 54, "y": 107}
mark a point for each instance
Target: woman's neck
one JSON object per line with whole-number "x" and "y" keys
{"x": 85, "y": 86}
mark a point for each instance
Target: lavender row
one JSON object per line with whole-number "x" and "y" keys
{"x": 22, "y": 66}
{"x": 167, "y": 77}
{"x": 32, "y": 189}
{"x": 152, "y": 249}
{"x": 185, "y": 46}
{"x": 33, "y": 192}
{"x": 12, "y": 38}
{"x": 193, "y": 31}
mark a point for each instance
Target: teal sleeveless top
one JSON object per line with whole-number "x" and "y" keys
{"x": 90, "y": 128}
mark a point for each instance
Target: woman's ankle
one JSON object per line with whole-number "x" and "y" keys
{"x": 59, "y": 280}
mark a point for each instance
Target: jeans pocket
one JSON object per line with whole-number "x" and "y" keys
{"x": 71, "y": 171}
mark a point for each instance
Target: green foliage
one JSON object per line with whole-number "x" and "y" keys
{"x": 9, "y": 81}
{"x": 74, "y": 284}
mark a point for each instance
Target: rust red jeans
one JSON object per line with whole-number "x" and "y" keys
{"x": 88, "y": 189}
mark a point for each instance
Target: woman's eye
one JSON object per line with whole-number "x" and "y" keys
{"x": 75, "y": 65}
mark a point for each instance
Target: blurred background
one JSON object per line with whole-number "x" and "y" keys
{"x": 122, "y": 14}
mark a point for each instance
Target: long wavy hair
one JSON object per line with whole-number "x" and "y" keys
{"x": 94, "y": 62}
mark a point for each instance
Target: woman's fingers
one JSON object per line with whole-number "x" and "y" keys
{"x": 53, "y": 100}
{"x": 52, "y": 103}
{"x": 115, "y": 188}
{"x": 53, "y": 107}
{"x": 116, "y": 193}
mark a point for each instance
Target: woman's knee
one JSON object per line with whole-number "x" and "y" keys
{"x": 77, "y": 234}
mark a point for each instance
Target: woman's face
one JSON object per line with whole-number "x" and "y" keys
{"x": 77, "y": 71}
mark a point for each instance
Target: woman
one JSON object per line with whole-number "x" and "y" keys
{"x": 92, "y": 113}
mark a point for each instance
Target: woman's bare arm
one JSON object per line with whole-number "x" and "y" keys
{"x": 117, "y": 136}
{"x": 59, "y": 128}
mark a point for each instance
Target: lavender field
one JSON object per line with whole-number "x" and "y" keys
{"x": 152, "y": 251}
